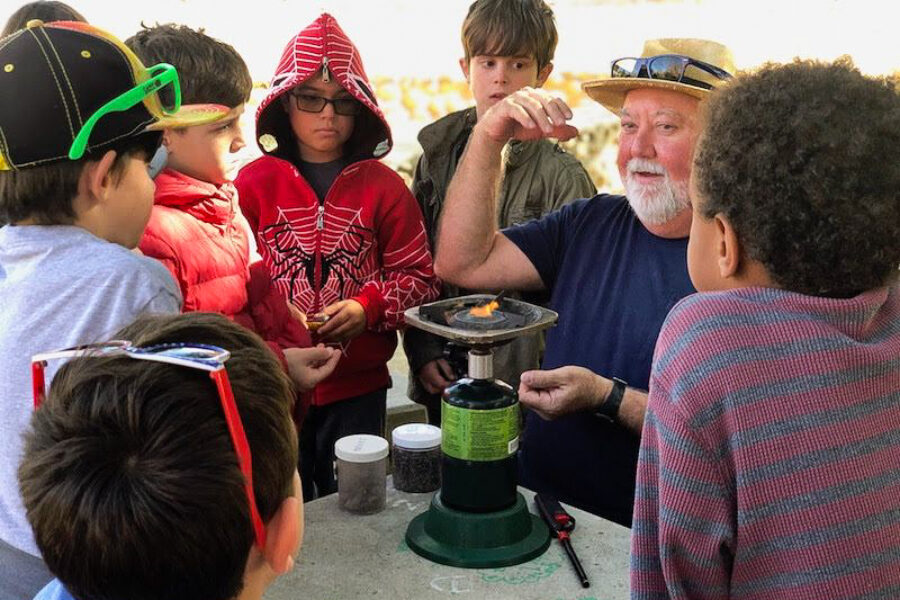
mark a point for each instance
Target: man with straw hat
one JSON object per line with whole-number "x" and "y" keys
{"x": 614, "y": 265}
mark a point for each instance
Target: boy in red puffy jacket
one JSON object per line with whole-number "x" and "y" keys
{"x": 196, "y": 229}
{"x": 339, "y": 231}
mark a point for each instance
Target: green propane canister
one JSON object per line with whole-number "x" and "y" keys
{"x": 480, "y": 437}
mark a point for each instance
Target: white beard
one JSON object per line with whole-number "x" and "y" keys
{"x": 654, "y": 203}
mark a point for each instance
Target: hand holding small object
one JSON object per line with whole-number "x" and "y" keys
{"x": 346, "y": 320}
{"x": 308, "y": 366}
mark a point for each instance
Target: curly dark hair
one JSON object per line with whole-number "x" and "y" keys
{"x": 801, "y": 159}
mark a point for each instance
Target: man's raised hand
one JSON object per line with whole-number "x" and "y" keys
{"x": 528, "y": 114}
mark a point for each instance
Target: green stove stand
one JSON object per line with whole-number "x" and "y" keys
{"x": 478, "y": 540}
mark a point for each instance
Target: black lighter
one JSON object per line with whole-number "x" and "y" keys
{"x": 561, "y": 524}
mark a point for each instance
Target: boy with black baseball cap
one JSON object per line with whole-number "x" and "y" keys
{"x": 79, "y": 115}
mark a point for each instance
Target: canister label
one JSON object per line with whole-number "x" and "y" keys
{"x": 480, "y": 435}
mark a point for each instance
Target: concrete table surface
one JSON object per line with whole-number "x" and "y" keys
{"x": 346, "y": 556}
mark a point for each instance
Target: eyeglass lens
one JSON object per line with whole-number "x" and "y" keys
{"x": 625, "y": 67}
{"x": 314, "y": 104}
{"x": 166, "y": 92}
{"x": 187, "y": 353}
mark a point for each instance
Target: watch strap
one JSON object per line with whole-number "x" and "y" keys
{"x": 610, "y": 407}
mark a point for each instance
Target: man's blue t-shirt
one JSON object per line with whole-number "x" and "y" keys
{"x": 612, "y": 283}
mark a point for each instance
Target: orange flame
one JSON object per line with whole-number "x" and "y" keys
{"x": 485, "y": 310}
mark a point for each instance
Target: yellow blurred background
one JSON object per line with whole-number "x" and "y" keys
{"x": 411, "y": 48}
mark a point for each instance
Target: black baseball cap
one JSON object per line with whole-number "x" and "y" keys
{"x": 69, "y": 89}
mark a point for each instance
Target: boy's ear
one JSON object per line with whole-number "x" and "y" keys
{"x": 544, "y": 74}
{"x": 283, "y": 534}
{"x": 728, "y": 248}
{"x": 167, "y": 134}
{"x": 96, "y": 178}
{"x": 464, "y": 66}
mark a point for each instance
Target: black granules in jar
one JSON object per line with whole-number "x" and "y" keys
{"x": 417, "y": 470}
{"x": 416, "y": 456}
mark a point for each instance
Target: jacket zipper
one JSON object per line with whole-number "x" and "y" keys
{"x": 320, "y": 225}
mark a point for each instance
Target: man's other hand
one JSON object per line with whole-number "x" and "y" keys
{"x": 558, "y": 392}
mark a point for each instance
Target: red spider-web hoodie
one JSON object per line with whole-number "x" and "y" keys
{"x": 366, "y": 241}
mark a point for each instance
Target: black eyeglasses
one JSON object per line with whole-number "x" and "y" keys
{"x": 668, "y": 67}
{"x": 312, "y": 104}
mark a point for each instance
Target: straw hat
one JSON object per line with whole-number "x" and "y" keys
{"x": 610, "y": 91}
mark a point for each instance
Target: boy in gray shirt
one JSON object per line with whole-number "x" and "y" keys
{"x": 78, "y": 114}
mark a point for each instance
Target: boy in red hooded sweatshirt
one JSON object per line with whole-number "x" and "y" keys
{"x": 342, "y": 236}
{"x": 196, "y": 229}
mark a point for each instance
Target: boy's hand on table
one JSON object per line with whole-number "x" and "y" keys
{"x": 308, "y": 366}
{"x": 347, "y": 319}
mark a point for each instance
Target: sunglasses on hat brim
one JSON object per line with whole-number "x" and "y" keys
{"x": 667, "y": 67}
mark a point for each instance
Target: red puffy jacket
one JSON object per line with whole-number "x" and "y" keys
{"x": 196, "y": 231}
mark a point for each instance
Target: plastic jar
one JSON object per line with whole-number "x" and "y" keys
{"x": 361, "y": 473}
{"x": 416, "y": 457}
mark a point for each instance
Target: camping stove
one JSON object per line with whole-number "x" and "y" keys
{"x": 478, "y": 519}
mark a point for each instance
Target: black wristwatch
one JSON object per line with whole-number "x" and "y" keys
{"x": 610, "y": 407}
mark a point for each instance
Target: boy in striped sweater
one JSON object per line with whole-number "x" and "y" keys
{"x": 770, "y": 459}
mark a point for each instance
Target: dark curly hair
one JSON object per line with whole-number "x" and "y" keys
{"x": 801, "y": 159}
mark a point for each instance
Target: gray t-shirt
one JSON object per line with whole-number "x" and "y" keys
{"x": 60, "y": 286}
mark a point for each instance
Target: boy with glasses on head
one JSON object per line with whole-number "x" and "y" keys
{"x": 196, "y": 229}
{"x": 339, "y": 231}
{"x": 508, "y": 45}
{"x": 165, "y": 466}
{"x": 76, "y": 195}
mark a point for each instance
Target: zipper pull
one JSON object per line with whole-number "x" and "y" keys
{"x": 320, "y": 219}
{"x": 326, "y": 74}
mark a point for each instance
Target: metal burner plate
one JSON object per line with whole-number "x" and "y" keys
{"x": 499, "y": 319}
{"x": 441, "y": 316}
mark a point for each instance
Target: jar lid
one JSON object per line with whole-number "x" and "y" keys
{"x": 416, "y": 436}
{"x": 361, "y": 448}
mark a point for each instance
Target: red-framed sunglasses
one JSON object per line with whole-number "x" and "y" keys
{"x": 194, "y": 356}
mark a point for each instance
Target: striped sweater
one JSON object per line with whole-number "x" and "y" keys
{"x": 770, "y": 459}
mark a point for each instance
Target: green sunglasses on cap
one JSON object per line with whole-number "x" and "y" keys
{"x": 162, "y": 75}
